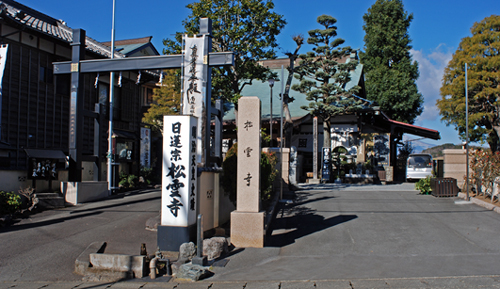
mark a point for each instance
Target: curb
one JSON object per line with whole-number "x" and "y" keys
{"x": 82, "y": 262}
{"x": 481, "y": 203}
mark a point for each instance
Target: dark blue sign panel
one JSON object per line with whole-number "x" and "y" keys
{"x": 326, "y": 168}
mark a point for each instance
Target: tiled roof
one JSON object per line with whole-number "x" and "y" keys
{"x": 47, "y": 25}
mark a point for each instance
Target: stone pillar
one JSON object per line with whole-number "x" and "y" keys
{"x": 455, "y": 165}
{"x": 292, "y": 175}
{"x": 247, "y": 222}
{"x": 179, "y": 194}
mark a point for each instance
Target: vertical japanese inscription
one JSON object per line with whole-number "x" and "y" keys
{"x": 192, "y": 88}
{"x": 193, "y": 167}
{"x": 175, "y": 171}
{"x": 248, "y": 172}
{"x": 180, "y": 165}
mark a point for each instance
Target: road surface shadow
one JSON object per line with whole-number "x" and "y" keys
{"x": 299, "y": 225}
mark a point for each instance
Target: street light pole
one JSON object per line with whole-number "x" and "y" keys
{"x": 111, "y": 93}
{"x": 271, "y": 84}
{"x": 467, "y": 132}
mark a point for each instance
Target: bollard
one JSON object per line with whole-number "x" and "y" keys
{"x": 169, "y": 268}
{"x": 200, "y": 259}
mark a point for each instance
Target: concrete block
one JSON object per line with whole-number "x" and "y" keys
{"x": 81, "y": 192}
{"x": 120, "y": 263}
{"x": 247, "y": 229}
{"x": 82, "y": 262}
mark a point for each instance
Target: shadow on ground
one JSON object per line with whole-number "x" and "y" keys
{"x": 295, "y": 220}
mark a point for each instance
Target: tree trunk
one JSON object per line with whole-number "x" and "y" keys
{"x": 327, "y": 142}
{"x": 493, "y": 142}
{"x": 299, "y": 40}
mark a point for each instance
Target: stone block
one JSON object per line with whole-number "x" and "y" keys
{"x": 187, "y": 251}
{"x": 82, "y": 262}
{"x": 81, "y": 192}
{"x": 247, "y": 229}
{"x": 215, "y": 247}
{"x": 120, "y": 263}
{"x": 454, "y": 156}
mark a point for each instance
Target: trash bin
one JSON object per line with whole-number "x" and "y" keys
{"x": 444, "y": 187}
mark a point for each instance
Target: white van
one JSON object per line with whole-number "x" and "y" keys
{"x": 418, "y": 166}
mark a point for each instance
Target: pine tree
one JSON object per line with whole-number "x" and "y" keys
{"x": 323, "y": 74}
{"x": 390, "y": 73}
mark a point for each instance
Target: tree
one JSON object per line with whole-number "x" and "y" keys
{"x": 323, "y": 74}
{"x": 390, "y": 74}
{"x": 299, "y": 41}
{"x": 166, "y": 101}
{"x": 481, "y": 52}
{"x": 246, "y": 27}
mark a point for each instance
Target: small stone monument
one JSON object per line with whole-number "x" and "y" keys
{"x": 247, "y": 222}
{"x": 292, "y": 176}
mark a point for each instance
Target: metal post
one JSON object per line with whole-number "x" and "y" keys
{"x": 467, "y": 132}
{"x": 271, "y": 84}
{"x": 281, "y": 135}
{"x": 111, "y": 94}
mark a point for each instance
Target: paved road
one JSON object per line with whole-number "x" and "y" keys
{"x": 46, "y": 246}
{"x": 329, "y": 236}
{"x": 352, "y": 232}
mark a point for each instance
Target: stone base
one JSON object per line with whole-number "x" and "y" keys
{"x": 313, "y": 181}
{"x": 120, "y": 263}
{"x": 171, "y": 238}
{"x": 80, "y": 192}
{"x": 247, "y": 229}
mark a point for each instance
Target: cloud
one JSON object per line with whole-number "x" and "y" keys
{"x": 431, "y": 67}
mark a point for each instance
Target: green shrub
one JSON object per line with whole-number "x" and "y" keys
{"x": 128, "y": 181}
{"x": 424, "y": 185}
{"x": 267, "y": 174}
{"x": 9, "y": 202}
{"x": 132, "y": 181}
{"x": 150, "y": 176}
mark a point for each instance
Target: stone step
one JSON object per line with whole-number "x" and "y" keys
{"x": 50, "y": 200}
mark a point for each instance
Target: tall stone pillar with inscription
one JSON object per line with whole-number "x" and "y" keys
{"x": 179, "y": 182}
{"x": 247, "y": 222}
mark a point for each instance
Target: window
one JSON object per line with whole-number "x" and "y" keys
{"x": 46, "y": 75}
{"x": 148, "y": 96}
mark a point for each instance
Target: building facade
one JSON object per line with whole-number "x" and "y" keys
{"x": 35, "y": 103}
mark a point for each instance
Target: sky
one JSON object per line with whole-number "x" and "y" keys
{"x": 436, "y": 31}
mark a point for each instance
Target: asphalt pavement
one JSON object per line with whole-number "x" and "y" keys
{"x": 325, "y": 236}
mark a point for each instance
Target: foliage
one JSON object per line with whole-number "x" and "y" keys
{"x": 484, "y": 166}
{"x": 29, "y": 194}
{"x": 166, "y": 101}
{"x": 405, "y": 151}
{"x": 128, "y": 181}
{"x": 246, "y": 27}
{"x": 150, "y": 176}
{"x": 390, "y": 73}
{"x": 482, "y": 54}
{"x": 229, "y": 174}
{"x": 10, "y": 202}
{"x": 324, "y": 73}
{"x": 424, "y": 185}
{"x": 267, "y": 174}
